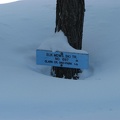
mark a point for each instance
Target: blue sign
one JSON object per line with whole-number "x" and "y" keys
{"x": 62, "y": 59}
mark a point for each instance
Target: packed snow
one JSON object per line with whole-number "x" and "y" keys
{"x": 28, "y": 92}
{"x": 59, "y": 42}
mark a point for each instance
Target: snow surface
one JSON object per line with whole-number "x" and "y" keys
{"x": 59, "y": 42}
{"x": 7, "y": 1}
{"x": 28, "y": 92}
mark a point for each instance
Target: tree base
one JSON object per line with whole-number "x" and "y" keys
{"x": 67, "y": 73}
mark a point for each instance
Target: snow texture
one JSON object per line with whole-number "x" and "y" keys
{"x": 58, "y": 42}
{"x": 28, "y": 92}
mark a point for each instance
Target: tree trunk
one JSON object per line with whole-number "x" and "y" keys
{"x": 70, "y": 19}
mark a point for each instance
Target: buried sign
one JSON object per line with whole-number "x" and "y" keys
{"x": 62, "y": 59}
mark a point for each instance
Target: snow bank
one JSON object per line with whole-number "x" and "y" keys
{"x": 58, "y": 42}
{"x": 28, "y": 92}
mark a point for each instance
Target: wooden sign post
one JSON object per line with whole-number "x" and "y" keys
{"x": 62, "y": 59}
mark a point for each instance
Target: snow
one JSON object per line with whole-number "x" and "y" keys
{"x": 7, "y": 1}
{"x": 28, "y": 92}
{"x": 59, "y": 42}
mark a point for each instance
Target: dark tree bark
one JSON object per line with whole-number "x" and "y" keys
{"x": 70, "y": 19}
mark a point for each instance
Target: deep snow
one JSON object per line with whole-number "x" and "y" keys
{"x": 28, "y": 92}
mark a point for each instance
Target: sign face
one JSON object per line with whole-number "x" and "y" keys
{"x": 62, "y": 59}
